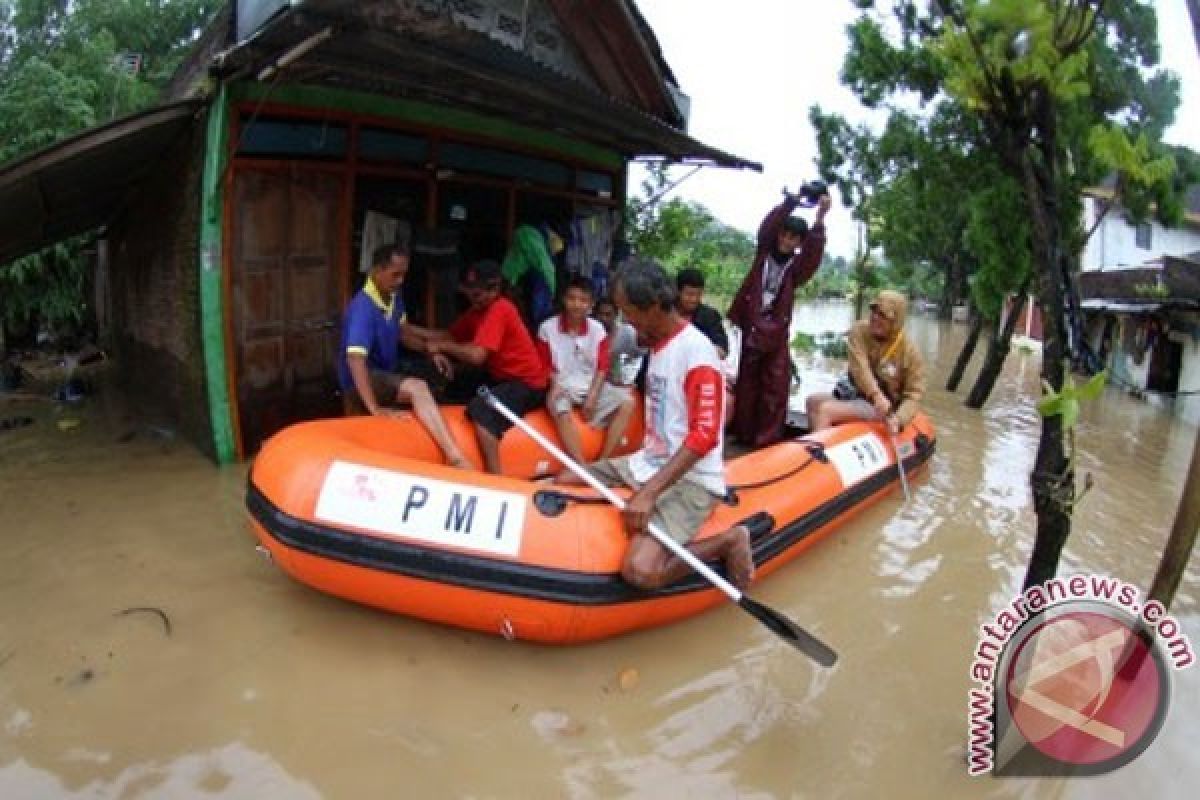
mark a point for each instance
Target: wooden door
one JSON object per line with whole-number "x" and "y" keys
{"x": 285, "y": 307}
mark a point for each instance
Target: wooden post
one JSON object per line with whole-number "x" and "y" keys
{"x": 1183, "y": 534}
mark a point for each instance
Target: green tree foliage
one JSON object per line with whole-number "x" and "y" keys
{"x": 1041, "y": 100}
{"x": 66, "y": 65}
{"x": 1063, "y": 93}
{"x": 920, "y": 172}
{"x": 997, "y": 239}
{"x": 851, "y": 159}
{"x": 681, "y": 233}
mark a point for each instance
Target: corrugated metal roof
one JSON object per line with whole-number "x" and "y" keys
{"x": 81, "y": 183}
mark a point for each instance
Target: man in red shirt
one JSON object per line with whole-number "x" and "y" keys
{"x": 491, "y": 335}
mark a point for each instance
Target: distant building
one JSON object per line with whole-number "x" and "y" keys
{"x": 1140, "y": 291}
{"x": 236, "y": 216}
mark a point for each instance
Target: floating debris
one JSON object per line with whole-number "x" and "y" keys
{"x": 162, "y": 615}
{"x": 85, "y": 675}
{"x": 628, "y": 679}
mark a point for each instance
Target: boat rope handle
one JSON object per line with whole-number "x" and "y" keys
{"x": 768, "y": 481}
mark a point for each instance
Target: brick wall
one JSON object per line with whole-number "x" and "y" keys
{"x": 156, "y": 294}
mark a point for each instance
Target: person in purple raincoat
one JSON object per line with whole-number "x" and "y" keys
{"x": 787, "y": 257}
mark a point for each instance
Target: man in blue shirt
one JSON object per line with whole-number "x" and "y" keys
{"x": 372, "y": 332}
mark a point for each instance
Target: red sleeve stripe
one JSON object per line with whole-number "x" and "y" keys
{"x": 603, "y": 358}
{"x": 704, "y": 389}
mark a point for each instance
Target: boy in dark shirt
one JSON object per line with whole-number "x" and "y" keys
{"x": 691, "y": 305}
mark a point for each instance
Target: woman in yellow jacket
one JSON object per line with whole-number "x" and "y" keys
{"x": 887, "y": 372}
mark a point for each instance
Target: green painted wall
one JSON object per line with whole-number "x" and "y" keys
{"x": 212, "y": 319}
{"x": 430, "y": 115}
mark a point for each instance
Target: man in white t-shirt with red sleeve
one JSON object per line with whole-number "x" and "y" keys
{"x": 678, "y": 476}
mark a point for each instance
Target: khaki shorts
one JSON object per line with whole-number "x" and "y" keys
{"x": 610, "y": 400}
{"x": 679, "y": 511}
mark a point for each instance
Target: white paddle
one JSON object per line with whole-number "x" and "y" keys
{"x": 899, "y": 465}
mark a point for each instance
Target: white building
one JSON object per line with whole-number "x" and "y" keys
{"x": 1140, "y": 287}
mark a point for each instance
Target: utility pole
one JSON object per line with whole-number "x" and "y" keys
{"x": 1194, "y": 10}
{"x": 1183, "y": 534}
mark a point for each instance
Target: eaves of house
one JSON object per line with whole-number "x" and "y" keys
{"x": 1176, "y": 284}
{"x": 618, "y": 93}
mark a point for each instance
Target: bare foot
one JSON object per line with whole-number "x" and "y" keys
{"x": 739, "y": 559}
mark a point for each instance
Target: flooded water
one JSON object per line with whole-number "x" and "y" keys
{"x": 262, "y": 688}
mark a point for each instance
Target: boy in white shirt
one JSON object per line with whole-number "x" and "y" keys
{"x": 575, "y": 349}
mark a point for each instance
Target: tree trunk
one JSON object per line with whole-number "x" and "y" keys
{"x": 1052, "y": 480}
{"x": 968, "y": 350}
{"x": 998, "y": 347}
{"x": 957, "y": 289}
{"x": 950, "y": 289}
{"x": 861, "y": 257}
{"x": 1183, "y": 535}
{"x": 860, "y": 275}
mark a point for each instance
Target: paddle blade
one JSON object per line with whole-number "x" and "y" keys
{"x": 790, "y": 632}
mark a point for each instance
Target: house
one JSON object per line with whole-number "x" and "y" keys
{"x": 1139, "y": 288}
{"x": 236, "y": 215}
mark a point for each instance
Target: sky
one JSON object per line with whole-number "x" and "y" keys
{"x": 753, "y": 69}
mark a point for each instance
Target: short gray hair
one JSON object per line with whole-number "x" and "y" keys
{"x": 645, "y": 284}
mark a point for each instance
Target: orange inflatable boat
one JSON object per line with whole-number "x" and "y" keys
{"x": 363, "y": 508}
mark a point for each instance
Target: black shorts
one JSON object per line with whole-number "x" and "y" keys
{"x": 519, "y": 398}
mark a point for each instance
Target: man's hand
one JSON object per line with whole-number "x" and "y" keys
{"x": 553, "y": 394}
{"x": 589, "y": 405}
{"x": 893, "y": 424}
{"x": 442, "y": 364}
{"x": 394, "y": 413}
{"x": 882, "y": 407}
{"x": 637, "y": 511}
{"x": 823, "y": 204}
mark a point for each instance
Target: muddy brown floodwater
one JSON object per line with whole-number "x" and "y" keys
{"x": 263, "y": 688}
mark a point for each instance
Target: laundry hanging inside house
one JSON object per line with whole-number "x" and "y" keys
{"x": 380, "y": 229}
{"x": 589, "y": 252}
{"x": 529, "y": 268}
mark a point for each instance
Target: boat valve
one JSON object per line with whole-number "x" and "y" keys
{"x": 264, "y": 552}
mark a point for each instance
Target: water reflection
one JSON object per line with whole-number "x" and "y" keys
{"x": 231, "y": 772}
{"x": 268, "y": 689}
